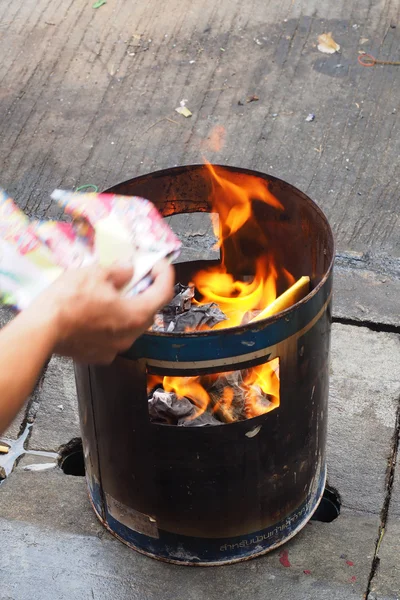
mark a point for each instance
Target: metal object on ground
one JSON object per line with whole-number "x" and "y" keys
{"x": 214, "y": 495}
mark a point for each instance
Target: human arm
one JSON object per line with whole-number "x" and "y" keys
{"x": 82, "y": 315}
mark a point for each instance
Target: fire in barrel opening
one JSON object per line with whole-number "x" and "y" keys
{"x": 214, "y": 399}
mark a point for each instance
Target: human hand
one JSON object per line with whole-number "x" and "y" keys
{"x": 92, "y": 321}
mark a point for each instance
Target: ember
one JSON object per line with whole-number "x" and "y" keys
{"x": 225, "y": 299}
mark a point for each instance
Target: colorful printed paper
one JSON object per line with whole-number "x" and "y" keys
{"x": 105, "y": 228}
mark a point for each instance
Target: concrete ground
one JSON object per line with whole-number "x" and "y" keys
{"x": 88, "y": 96}
{"x": 53, "y": 543}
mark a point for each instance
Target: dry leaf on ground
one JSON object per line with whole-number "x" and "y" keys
{"x": 327, "y": 44}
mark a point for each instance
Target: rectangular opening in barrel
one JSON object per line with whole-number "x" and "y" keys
{"x": 216, "y": 398}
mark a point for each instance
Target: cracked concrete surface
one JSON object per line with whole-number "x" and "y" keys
{"x": 46, "y": 516}
{"x": 85, "y": 98}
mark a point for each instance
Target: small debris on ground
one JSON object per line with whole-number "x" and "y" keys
{"x": 40, "y": 467}
{"x": 184, "y": 111}
{"x": 99, "y": 3}
{"x": 4, "y": 449}
{"x": 284, "y": 558}
{"x": 252, "y": 98}
{"x": 310, "y": 117}
{"x": 88, "y": 186}
{"x": 367, "y": 60}
{"x": 327, "y": 44}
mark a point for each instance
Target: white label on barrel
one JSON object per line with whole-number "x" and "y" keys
{"x": 131, "y": 518}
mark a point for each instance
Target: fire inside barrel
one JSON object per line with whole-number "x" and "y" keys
{"x": 225, "y": 300}
{"x": 238, "y": 233}
{"x": 226, "y": 397}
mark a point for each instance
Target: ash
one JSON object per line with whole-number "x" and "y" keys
{"x": 184, "y": 314}
{"x": 167, "y": 408}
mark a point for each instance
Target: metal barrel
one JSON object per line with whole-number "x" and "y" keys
{"x": 216, "y": 495}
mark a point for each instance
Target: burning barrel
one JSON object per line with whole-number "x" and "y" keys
{"x": 208, "y": 495}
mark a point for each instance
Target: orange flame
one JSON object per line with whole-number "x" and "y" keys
{"x": 257, "y": 394}
{"x": 232, "y": 198}
{"x": 265, "y": 378}
{"x": 189, "y": 387}
{"x": 235, "y": 298}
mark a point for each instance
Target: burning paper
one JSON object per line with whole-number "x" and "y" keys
{"x": 294, "y": 294}
{"x": 182, "y": 302}
{"x": 166, "y": 408}
{"x": 183, "y": 314}
{"x": 214, "y": 399}
{"x": 105, "y": 228}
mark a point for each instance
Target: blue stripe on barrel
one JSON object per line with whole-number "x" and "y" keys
{"x": 231, "y": 342}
